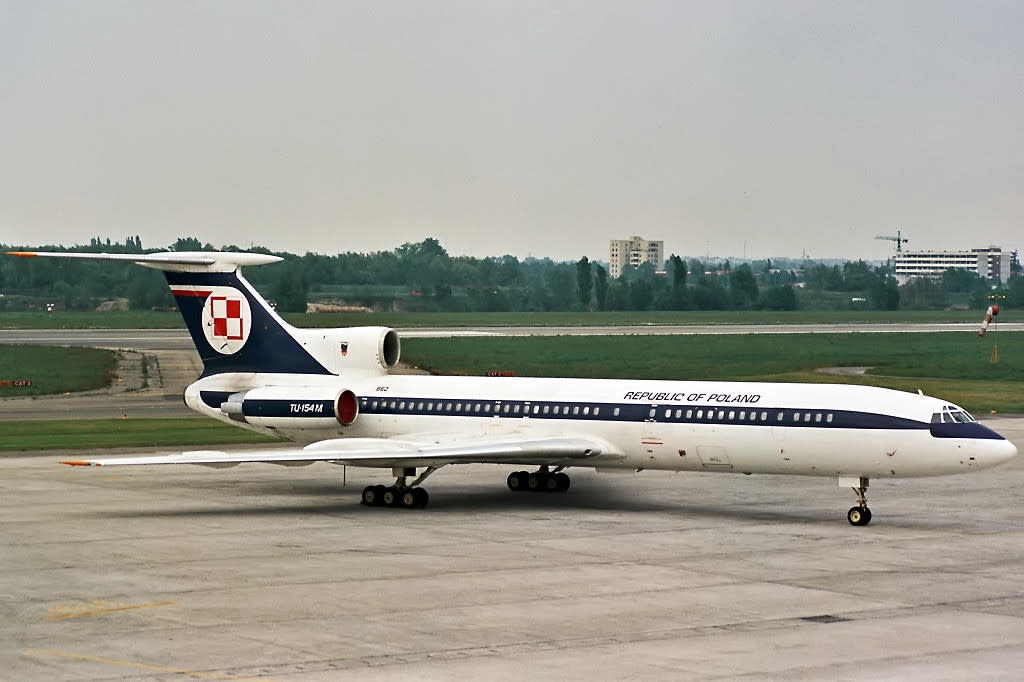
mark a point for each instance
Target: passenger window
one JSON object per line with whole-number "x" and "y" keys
{"x": 700, "y": 414}
{"x": 796, "y": 416}
{"x": 536, "y": 409}
{"x": 651, "y": 413}
{"x": 476, "y": 408}
{"x": 828, "y": 418}
{"x": 597, "y": 411}
{"x": 448, "y": 407}
{"x": 689, "y": 414}
{"x": 547, "y": 408}
{"x": 743, "y": 415}
{"x": 458, "y": 407}
{"x": 419, "y": 406}
{"x": 732, "y": 415}
{"x": 374, "y": 404}
{"x": 807, "y": 416}
{"x": 392, "y": 404}
{"x": 555, "y": 409}
{"x": 668, "y": 414}
{"x": 401, "y": 405}
{"x": 586, "y": 410}
{"x": 615, "y": 412}
{"x": 817, "y": 418}
{"x": 505, "y": 408}
{"x": 515, "y": 409}
{"x": 721, "y": 414}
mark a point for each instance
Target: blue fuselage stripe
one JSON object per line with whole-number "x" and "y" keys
{"x": 787, "y": 417}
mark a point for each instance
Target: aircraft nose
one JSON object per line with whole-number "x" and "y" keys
{"x": 1000, "y": 452}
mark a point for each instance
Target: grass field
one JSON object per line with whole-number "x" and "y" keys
{"x": 64, "y": 434}
{"x": 53, "y": 369}
{"x": 952, "y": 365}
{"x": 171, "y": 320}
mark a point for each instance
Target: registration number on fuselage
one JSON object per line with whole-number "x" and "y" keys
{"x": 306, "y": 408}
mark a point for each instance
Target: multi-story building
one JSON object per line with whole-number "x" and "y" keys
{"x": 635, "y": 251}
{"x": 992, "y": 264}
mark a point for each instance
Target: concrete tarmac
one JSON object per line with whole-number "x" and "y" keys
{"x": 259, "y": 571}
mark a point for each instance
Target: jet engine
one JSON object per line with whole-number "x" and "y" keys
{"x": 353, "y": 349}
{"x": 299, "y": 407}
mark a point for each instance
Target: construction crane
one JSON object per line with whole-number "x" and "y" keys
{"x": 899, "y": 239}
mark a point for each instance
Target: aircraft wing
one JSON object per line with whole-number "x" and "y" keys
{"x": 383, "y": 452}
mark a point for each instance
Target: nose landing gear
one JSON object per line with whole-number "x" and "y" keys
{"x": 859, "y": 515}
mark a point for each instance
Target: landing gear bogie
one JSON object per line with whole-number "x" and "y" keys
{"x": 400, "y": 495}
{"x": 393, "y": 496}
{"x": 542, "y": 481}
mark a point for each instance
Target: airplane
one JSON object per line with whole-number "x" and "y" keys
{"x": 330, "y": 391}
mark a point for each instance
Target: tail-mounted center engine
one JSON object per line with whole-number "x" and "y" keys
{"x": 352, "y": 349}
{"x": 300, "y": 407}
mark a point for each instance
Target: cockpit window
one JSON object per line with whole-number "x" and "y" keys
{"x": 952, "y": 415}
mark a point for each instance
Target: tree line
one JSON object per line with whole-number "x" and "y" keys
{"x": 423, "y": 276}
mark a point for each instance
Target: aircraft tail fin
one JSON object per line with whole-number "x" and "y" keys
{"x": 234, "y": 328}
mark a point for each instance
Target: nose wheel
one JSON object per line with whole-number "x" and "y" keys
{"x": 860, "y": 515}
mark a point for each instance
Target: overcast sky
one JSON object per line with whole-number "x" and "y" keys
{"x": 532, "y": 128}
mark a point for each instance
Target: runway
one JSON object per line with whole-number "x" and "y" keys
{"x": 275, "y": 573}
{"x": 178, "y": 339}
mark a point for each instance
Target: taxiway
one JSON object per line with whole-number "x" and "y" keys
{"x": 262, "y": 572}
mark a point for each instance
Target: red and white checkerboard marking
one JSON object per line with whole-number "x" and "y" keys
{"x": 226, "y": 314}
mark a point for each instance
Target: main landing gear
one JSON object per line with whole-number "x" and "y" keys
{"x": 401, "y": 494}
{"x": 860, "y": 515}
{"x": 541, "y": 480}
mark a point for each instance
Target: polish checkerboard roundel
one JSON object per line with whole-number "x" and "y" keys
{"x": 227, "y": 320}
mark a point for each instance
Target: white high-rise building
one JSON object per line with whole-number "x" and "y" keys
{"x": 992, "y": 264}
{"x": 634, "y": 251}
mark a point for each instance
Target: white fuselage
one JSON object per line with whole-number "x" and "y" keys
{"x": 739, "y": 427}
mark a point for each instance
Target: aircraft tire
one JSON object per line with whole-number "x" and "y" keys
{"x": 563, "y": 481}
{"x": 370, "y": 496}
{"x": 409, "y": 498}
{"x": 421, "y": 497}
{"x": 552, "y": 484}
{"x": 391, "y": 498}
{"x": 516, "y": 480}
{"x": 859, "y": 516}
{"x": 534, "y": 482}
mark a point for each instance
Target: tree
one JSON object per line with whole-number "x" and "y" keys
{"x": 709, "y": 294}
{"x": 584, "y": 282}
{"x": 677, "y": 269}
{"x": 601, "y": 287}
{"x": 779, "y": 297}
{"x": 188, "y": 244}
{"x": 290, "y": 289}
{"x": 885, "y": 294}
{"x": 960, "y": 280}
{"x": 743, "y": 286}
